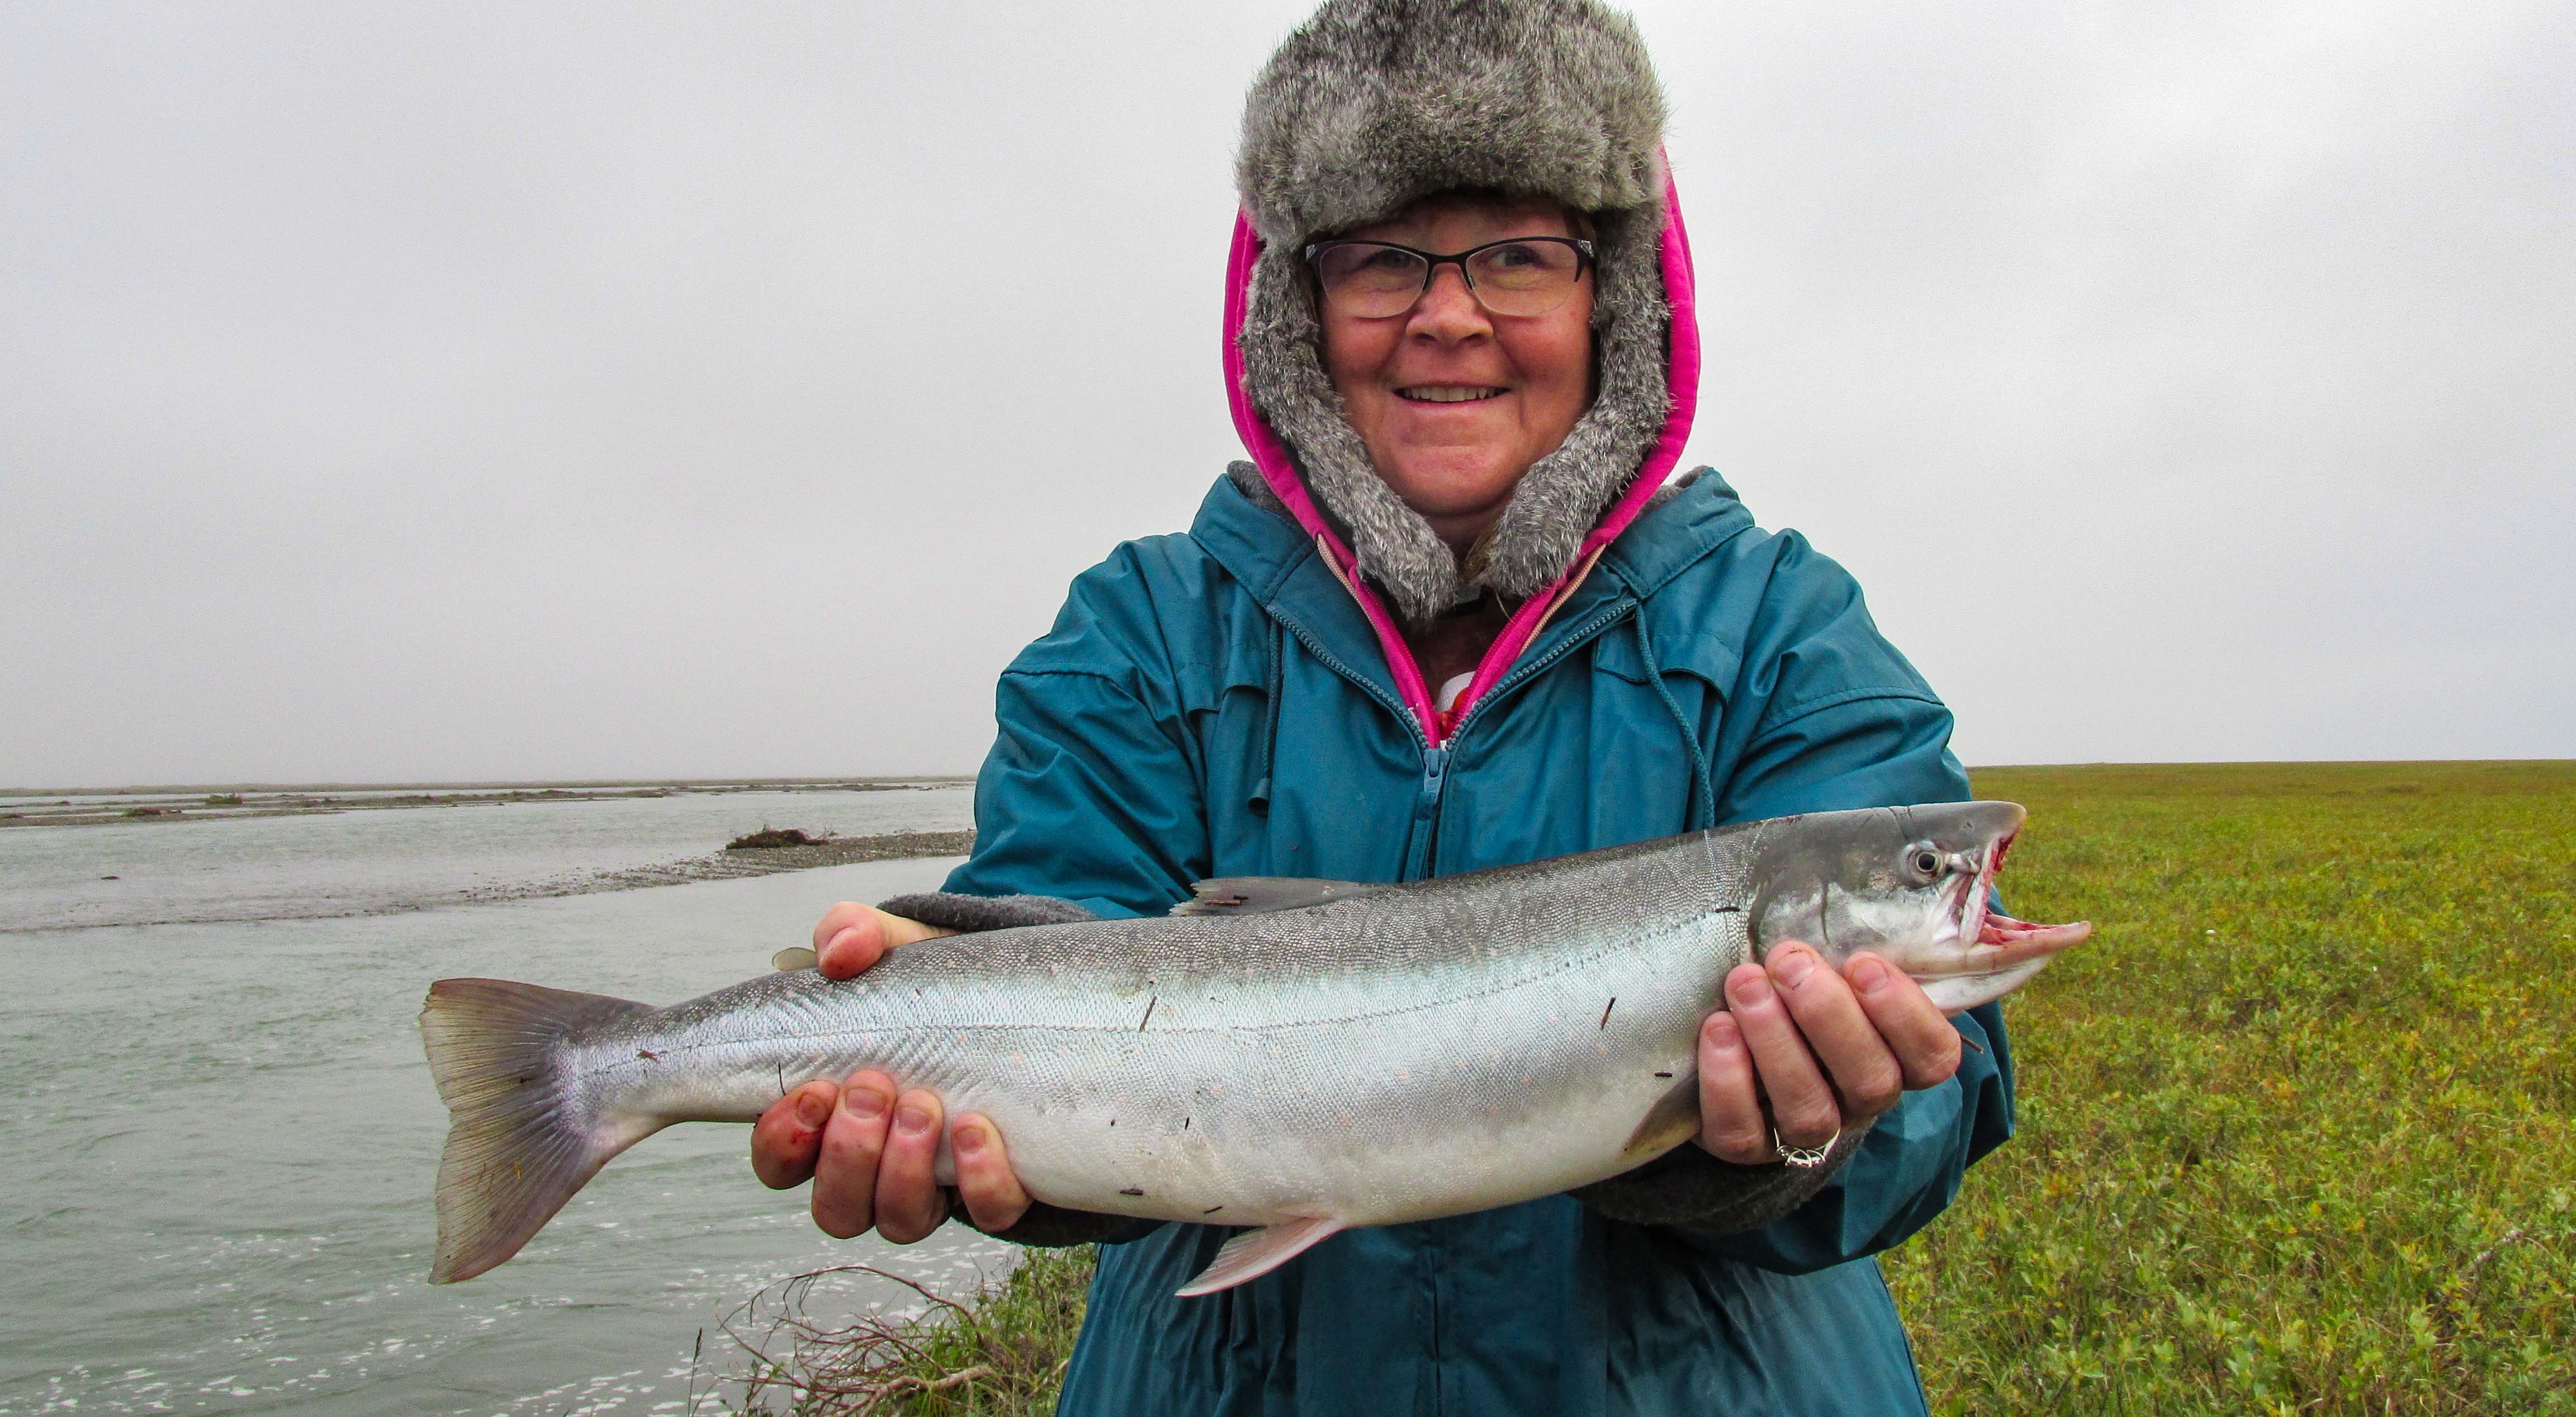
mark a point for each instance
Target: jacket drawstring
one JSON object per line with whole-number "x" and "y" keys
{"x": 1260, "y": 799}
{"x": 1701, "y": 809}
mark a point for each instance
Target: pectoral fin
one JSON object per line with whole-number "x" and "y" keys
{"x": 1255, "y": 895}
{"x": 1255, "y": 1253}
{"x": 789, "y": 960}
{"x": 1673, "y": 1119}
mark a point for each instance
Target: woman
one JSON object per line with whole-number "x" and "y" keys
{"x": 1445, "y": 620}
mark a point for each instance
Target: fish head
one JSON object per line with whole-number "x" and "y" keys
{"x": 1910, "y": 884}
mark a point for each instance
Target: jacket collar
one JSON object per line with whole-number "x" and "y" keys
{"x": 1698, "y": 514}
{"x": 1279, "y": 565}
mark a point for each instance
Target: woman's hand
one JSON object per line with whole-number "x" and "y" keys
{"x": 1827, "y": 1051}
{"x": 868, "y": 1150}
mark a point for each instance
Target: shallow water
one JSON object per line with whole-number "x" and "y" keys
{"x": 219, "y": 1137}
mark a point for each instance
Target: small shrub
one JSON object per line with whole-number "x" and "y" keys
{"x": 1000, "y": 1354}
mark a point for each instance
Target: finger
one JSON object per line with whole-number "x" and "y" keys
{"x": 1731, "y": 1125}
{"x": 837, "y": 919}
{"x": 909, "y": 1204}
{"x": 845, "y": 1175}
{"x": 788, "y": 1136}
{"x": 1926, "y": 1044}
{"x": 984, "y": 1181}
{"x": 1865, "y": 1075}
{"x": 864, "y": 938}
{"x": 1803, "y": 1110}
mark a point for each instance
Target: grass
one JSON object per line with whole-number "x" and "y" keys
{"x": 1000, "y": 1354}
{"x": 2298, "y": 1127}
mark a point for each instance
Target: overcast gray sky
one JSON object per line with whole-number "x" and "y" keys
{"x": 402, "y": 392}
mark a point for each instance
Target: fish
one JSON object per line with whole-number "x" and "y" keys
{"x": 1297, "y": 1057}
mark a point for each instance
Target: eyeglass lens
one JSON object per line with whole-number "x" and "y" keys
{"x": 1510, "y": 278}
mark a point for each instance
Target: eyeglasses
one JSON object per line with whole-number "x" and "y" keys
{"x": 1527, "y": 275}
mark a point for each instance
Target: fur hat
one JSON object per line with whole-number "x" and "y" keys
{"x": 1371, "y": 106}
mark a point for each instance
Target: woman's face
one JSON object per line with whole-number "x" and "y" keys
{"x": 1456, "y": 461}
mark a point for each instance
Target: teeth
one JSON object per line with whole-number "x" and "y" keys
{"x": 1447, "y": 393}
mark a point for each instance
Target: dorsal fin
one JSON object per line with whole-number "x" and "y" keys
{"x": 1257, "y": 895}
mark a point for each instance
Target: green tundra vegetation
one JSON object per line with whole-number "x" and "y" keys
{"x": 2297, "y": 1128}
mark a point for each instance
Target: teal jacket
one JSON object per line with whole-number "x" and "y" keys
{"x": 1216, "y": 704}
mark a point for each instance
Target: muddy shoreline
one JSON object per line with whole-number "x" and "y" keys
{"x": 731, "y": 865}
{"x": 723, "y": 865}
{"x": 231, "y": 802}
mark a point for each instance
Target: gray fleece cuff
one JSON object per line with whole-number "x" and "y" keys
{"x": 1052, "y": 1227}
{"x": 1688, "y": 1189}
{"x": 967, "y": 914}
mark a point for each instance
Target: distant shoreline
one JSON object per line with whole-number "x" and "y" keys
{"x": 222, "y": 802}
{"x": 722, "y": 865}
{"x": 183, "y": 789}
{"x": 731, "y": 865}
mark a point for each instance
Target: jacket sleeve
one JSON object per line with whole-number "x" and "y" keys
{"x": 1087, "y": 796}
{"x": 1841, "y": 720}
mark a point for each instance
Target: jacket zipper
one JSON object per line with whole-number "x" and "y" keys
{"x": 1528, "y": 669}
{"x": 1436, "y": 757}
{"x": 1421, "y": 736}
{"x": 1435, "y": 761}
{"x": 1426, "y": 812}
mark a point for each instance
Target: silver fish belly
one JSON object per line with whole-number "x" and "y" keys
{"x": 1392, "y": 1053}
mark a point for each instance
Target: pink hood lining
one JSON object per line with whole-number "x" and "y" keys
{"x": 1270, "y": 454}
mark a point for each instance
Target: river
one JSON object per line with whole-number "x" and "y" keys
{"x": 219, "y": 1138}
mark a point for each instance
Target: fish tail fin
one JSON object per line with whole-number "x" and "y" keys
{"x": 519, "y": 1141}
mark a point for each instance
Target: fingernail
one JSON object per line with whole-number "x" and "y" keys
{"x": 840, "y": 940}
{"x": 865, "y": 1103}
{"x": 1792, "y": 966}
{"x": 967, "y": 1140}
{"x": 813, "y": 1108}
{"x": 1868, "y": 973}
{"x": 1751, "y": 989}
{"x": 1721, "y": 1031}
{"x": 915, "y": 1118}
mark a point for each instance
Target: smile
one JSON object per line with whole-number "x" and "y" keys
{"x": 1448, "y": 393}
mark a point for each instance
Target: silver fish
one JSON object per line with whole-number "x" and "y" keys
{"x": 1297, "y": 1056}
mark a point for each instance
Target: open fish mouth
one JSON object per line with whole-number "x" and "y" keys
{"x": 1989, "y": 954}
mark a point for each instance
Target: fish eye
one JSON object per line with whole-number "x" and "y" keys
{"x": 1924, "y": 858}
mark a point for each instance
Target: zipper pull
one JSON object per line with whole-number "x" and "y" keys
{"x": 1435, "y": 769}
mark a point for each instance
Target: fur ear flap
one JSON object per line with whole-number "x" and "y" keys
{"x": 1373, "y": 105}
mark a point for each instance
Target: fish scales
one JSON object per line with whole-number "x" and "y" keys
{"x": 1390, "y": 1054}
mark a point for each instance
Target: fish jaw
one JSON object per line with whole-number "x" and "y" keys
{"x": 1979, "y": 955}
{"x": 1912, "y": 885}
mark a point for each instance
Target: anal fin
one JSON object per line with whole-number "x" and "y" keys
{"x": 1255, "y": 1253}
{"x": 1673, "y": 1119}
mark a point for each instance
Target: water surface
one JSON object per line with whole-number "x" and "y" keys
{"x": 219, "y": 1138}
